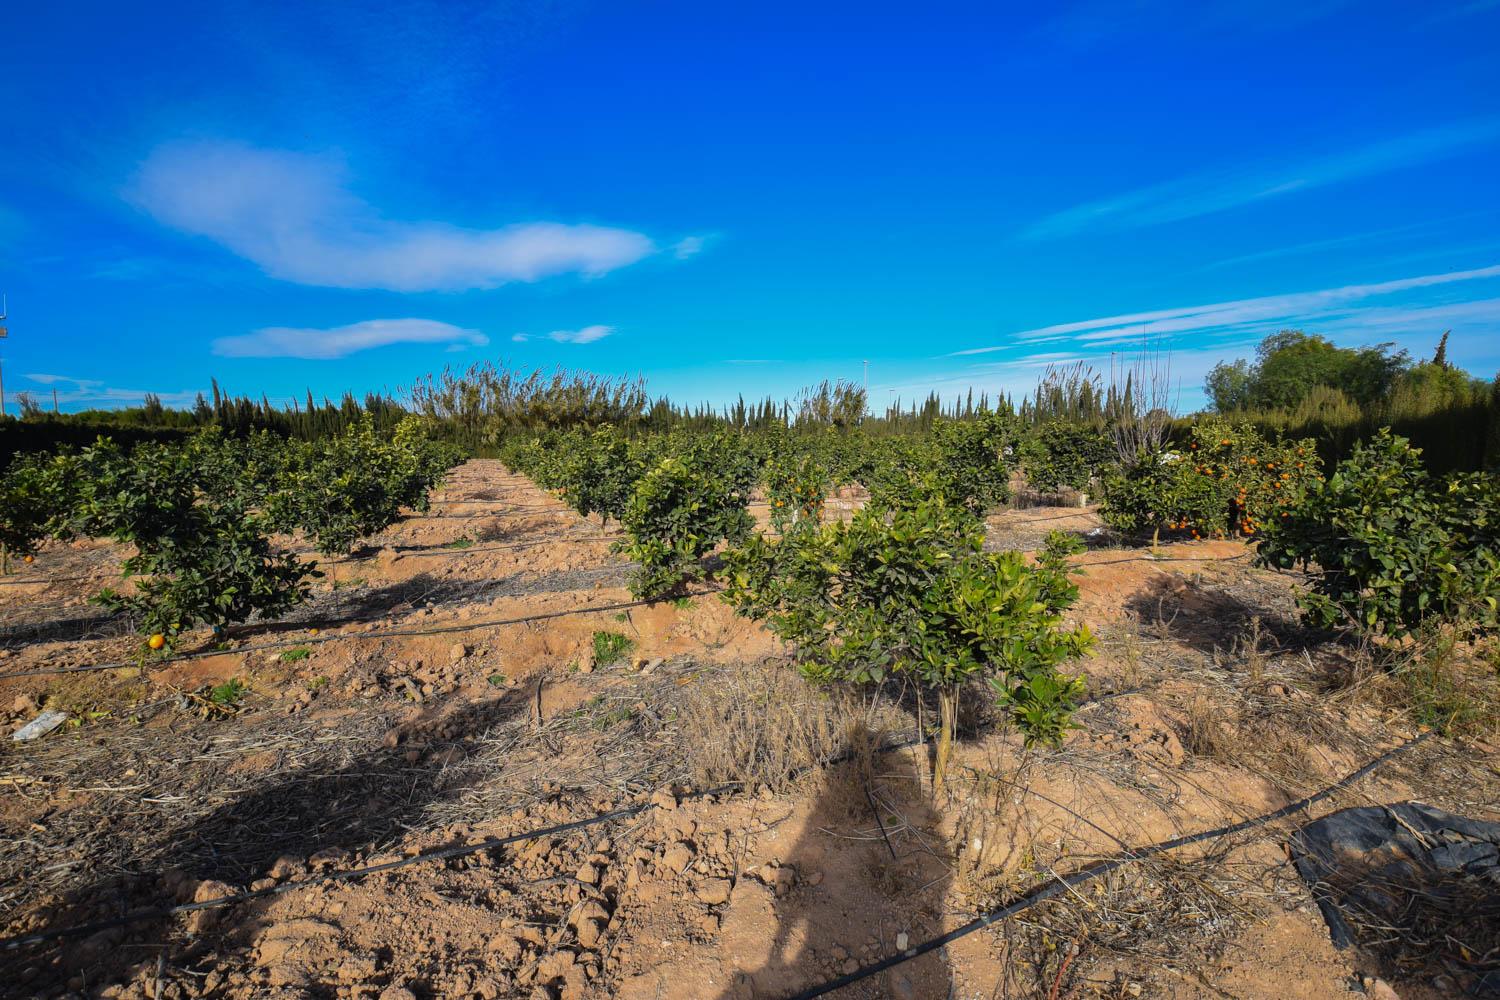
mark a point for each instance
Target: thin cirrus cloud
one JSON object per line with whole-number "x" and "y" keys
{"x": 293, "y": 215}
{"x": 586, "y": 335}
{"x": 1204, "y": 194}
{"x": 1337, "y": 306}
{"x": 341, "y": 341}
{"x": 95, "y": 392}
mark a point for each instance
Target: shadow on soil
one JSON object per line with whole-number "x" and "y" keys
{"x": 864, "y": 875}
{"x": 334, "y": 802}
{"x": 363, "y": 604}
{"x": 1209, "y": 618}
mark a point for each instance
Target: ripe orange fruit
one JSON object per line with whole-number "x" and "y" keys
{"x": 312, "y": 631}
{"x": 30, "y": 559}
{"x": 157, "y": 641}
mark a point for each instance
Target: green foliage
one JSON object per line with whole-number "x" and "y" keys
{"x": 228, "y": 693}
{"x": 202, "y": 559}
{"x": 1455, "y": 698}
{"x": 294, "y": 655}
{"x": 1228, "y": 480}
{"x": 682, "y": 509}
{"x": 839, "y": 405}
{"x": 611, "y": 647}
{"x": 597, "y": 472}
{"x": 1305, "y": 387}
{"x": 911, "y": 593}
{"x": 488, "y": 403}
{"x": 975, "y": 458}
{"x": 1059, "y": 454}
{"x": 1291, "y": 363}
{"x": 200, "y": 513}
{"x": 36, "y": 497}
{"x": 1389, "y": 547}
{"x": 354, "y": 485}
{"x": 1228, "y": 386}
{"x": 964, "y": 463}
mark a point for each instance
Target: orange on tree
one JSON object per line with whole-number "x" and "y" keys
{"x": 157, "y": 641}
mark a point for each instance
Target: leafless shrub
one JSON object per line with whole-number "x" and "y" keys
{"x": 1142, "y": 401}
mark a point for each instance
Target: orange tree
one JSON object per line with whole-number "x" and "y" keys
{"x": 595, "y": 471}
{"x": 795, "y": 488}
{"x": 910, "y": 592}
{"x": 683, "y": 508}
{"x": 1388, "y": 547}
{"x": 1224, "y": 480}
{"x": 341, "y": 489}
{"x": 201, "y": 558}
{"x": 36, "y": 496}
{"x": 1062, "y": 453}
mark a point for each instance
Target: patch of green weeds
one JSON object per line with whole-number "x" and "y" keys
{"x": 611, "y": 647}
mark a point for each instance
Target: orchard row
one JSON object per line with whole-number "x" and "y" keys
{"x": 201, "y": 515}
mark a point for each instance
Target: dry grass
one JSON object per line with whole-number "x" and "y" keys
{"x": 1445, "y": 679}
{"x": 1153, "y": 916}
{"x": 762, "y": 724}
{"x": 1204, "y": 733}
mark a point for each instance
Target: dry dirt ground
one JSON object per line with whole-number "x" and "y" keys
{"x": 441, "y": 689}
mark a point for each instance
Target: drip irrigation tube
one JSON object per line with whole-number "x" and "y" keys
{"x": 410, "y": 553}
{"x": 1066, "y": 883}
{"x": 315, "y": 640}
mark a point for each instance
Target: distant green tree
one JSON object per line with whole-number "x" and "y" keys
{"x": 1228, "y": 386}
{"x": 1290, "y": 364}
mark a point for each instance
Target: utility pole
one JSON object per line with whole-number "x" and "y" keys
{"x": 867, "y": 390}
{"x": 3, "y": 335}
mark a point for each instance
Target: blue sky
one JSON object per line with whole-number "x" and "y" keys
{"x": 735, "y": 199}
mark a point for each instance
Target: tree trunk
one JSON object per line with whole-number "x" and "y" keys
{"x": 947, "y": 724}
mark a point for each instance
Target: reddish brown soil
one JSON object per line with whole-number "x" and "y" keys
{"x": 374, "y": 747}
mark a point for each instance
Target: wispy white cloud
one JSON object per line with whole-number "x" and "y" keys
{"x": 689, "y": 246}
{"x": 340, "y": 341}
{"x": 1229, "y": 317}
{"x": 1314, "y": 246}
{"x": 1203, "y": 194}
{"x": 293, "y": 215}
{"x": 587, "y": 335}
{"x": 72, "y": 391}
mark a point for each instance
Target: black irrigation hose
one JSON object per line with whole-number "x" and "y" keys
{"x": 333, "y": 637}
{"x": 466, "y": 549}
{"x": 411, "y": 553}
{"x": 1113, "y": 562}
{"x": 1088, "y": 874}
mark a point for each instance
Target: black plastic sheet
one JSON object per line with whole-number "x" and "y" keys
{"x": 1416, "y": 887}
